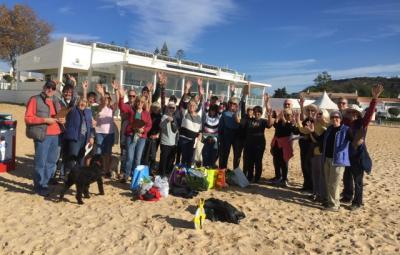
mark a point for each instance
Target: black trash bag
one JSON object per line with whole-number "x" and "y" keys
{"x": 218, "y": 210}
{"x": 182, "y": 191}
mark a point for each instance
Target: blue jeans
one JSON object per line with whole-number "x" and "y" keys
{"x": 46, "y": 156}
{"x": 134, "y": 153}
{"x": 104, "y": 143}
{"x": 77, "y": 148}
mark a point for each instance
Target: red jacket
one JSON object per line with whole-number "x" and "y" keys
{"x": 128, "y": 110}
{"x": 31, "y": 117}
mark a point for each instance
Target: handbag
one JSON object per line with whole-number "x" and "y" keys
{"x": 365, "y": 160}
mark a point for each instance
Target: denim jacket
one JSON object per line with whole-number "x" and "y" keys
{"x": 341, "y": 149}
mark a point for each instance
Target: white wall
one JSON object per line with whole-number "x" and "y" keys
{"x": 45, "y": 57}
{"x": 22, "y": 95}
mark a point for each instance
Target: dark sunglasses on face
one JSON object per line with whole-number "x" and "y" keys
{"x": 335, "y": 117}
{"x": 50, "y": 87}
{"x": 131, "y": 96}
{"x": 286, "y": 104}
{"x": 342, "y": 103}
{"x": 319, "y": 114}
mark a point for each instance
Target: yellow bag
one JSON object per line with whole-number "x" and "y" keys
{"x": 211, "y": 176}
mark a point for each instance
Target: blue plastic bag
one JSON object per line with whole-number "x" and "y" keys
{"x": 139, "y": 173}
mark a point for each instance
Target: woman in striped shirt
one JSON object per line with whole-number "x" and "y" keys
{"x": 210, "y": 136}
{"x": 189, "y": 132}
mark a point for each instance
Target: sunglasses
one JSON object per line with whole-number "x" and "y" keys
{"x": 286, "y": 104}
{"x": 50, "y": 87}
{"x": 131, "y": 96}
{"x": 319, "y": 114}
{"x": 335, "y": 117}
{"x": 342, "y": 103}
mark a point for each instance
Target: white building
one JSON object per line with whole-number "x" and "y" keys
{"x": 132, "y": 68}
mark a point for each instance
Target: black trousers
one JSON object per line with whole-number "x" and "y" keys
{"x": 226, "y": 142}
{"x": 353, "y": 180}
{"x": 167, "y": 157}
{"x": 252, "y": 160}
{"x": 280, "y": 165}
{"x": 150, "y": 152}
{"x": 305, "y": 159}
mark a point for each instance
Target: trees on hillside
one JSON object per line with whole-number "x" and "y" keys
{"x": 20, "y": 31}
{"x": 322, "y": 78}
{"x": 280, "y": 93}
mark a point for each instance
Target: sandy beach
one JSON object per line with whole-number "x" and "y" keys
{"x": 278, "y": 220}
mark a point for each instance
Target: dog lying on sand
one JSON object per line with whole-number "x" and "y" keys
{"x": 82, "y": 177}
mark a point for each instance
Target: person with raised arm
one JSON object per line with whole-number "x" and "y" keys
{"x": 354, "y": 174}
{"x": 282, "y": 146}
{"x": 254, "y": 143}
{"x": 139, "y": 124}
{"x": 105, "y": 128}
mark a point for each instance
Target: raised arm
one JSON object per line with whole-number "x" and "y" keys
{"x": 376, "y": 92}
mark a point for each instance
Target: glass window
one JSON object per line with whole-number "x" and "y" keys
{"x": 174, "y": 85}
{"x": 218, "y": 88}
{"x": 135, "y": 78}
{"x": 256, "y": 96}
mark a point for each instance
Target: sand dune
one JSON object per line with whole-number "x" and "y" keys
{"x": 278, "y": 221}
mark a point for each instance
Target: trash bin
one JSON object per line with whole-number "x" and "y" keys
{"x": 8, "y": 131}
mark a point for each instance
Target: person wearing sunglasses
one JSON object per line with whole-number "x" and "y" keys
{"x": 43, "y": 127}
{"x": 335, "y": 156}
{"x": 353, "y": 175}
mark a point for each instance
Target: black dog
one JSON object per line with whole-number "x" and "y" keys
{"x": 82, "y": 177}
{"x": 218, "y": 210}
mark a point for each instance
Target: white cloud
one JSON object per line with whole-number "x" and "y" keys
{"x": 78, "y": 37}
{"x": 177, "y": 22}
{"x": 65, "y": 10}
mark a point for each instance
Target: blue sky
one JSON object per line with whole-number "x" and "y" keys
{"x": 284, "y": 43}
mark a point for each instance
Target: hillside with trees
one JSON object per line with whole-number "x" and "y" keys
{"x": 360, "y": 84}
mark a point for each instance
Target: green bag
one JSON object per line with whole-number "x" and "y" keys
{"x": 197, "y": 179}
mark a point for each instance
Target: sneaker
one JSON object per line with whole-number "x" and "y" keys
{"x": 273, "y": 179}
{"x": 284, "y": 183}
{"x": 277, "y": 181}
{"x": 331, "y": 209}
{"x": 44, "y": 192}
{"x": 355, "y": 207}
{"x": 345, "y": 200}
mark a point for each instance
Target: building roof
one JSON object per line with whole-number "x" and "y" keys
{"x": 315, "y": 95}
{"x": 380, "y": 100}
{"x": 324, "y": 102}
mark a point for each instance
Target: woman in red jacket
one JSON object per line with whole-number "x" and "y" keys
{"x": 136, "y": 131}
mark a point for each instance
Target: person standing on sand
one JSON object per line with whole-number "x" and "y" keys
{"x": 44, "y": 128}
{"x": 353, "y": 178}
{"x": 335, "y": 156}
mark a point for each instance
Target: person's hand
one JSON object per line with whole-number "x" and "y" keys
{"x": 162, "y": 78}
{"x": 61, "y": 120}
{"x": 141, "y": 130}
{"x": 154, "y": 136}
{"x": 188, "y": 86}
{"x": 301, "y": 101}
{"x": 150, "y": 86}
{"x": 94, "y": 123}
{"x": 201, "y": 90}
{"x": 232, "y": 87}
{"x": 310, "y": 127}
{"x": 296, "y": 116}
{"x": 170, "y": 119}
{"x": 210, "y": 94}
{"x": 377, "y": 91}
{"x": 266, "y": 99}
{"x": 115, "y": 85}
{"x": 100, "y": 89}
{"x": 49, "y": 121}
{"x": 246, "y": 89}
{"x": 72, "y": 78}
{"x": 91, "y": 140}
{"x": 200, "y": 81}
{"x": 85, "y": 85}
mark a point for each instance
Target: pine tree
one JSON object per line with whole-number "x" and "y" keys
{"x": 164, "y": 50}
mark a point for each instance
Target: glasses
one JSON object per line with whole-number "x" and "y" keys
{"x": 342, "y": 103}
{"x": 335, "y": 117}
{"x": 319, "y": 114}
{"x": 49, "y": 87}
{"x": 131, "y": 96}
{"x": 286, "y": 104}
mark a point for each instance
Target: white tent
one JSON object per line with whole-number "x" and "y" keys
{"x": 325, "y": 102}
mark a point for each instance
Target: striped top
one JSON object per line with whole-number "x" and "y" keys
{"x": 210, "y": 125}
{"x": 190, "y": 127}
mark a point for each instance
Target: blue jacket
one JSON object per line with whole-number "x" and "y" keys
{"x": 341, "y": 149}
{"x": 74, "y": 122}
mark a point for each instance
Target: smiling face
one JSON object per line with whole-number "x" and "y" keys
{"x": 335, "y": 120}
{"x": 67, "y": 94}
{"x": 131, "y": 97}
{"x": 342, "y": 104}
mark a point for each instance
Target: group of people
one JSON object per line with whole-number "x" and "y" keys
{"x": 330, "y": 143}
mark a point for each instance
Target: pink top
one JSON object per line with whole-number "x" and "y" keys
{"x": 105, "y": 121}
